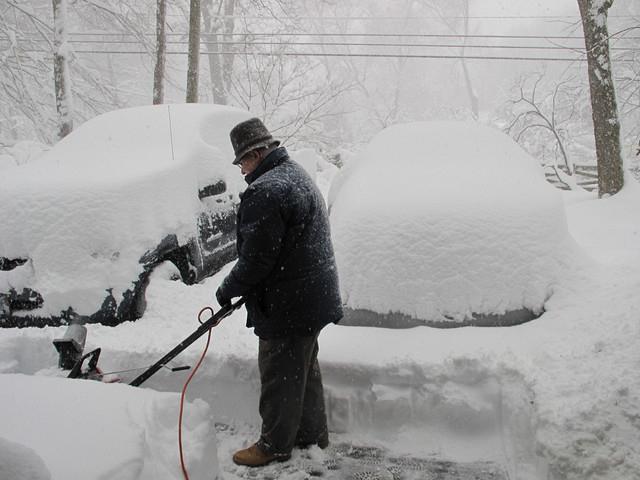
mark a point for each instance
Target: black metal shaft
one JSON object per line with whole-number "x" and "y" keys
{"x": 202, "y": 329}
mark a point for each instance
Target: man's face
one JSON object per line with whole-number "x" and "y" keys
{"x": 249, "y": 162}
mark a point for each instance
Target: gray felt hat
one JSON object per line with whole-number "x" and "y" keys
{"x": 249, "y": 135}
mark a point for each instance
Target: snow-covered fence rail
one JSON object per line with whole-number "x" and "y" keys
{"x": 586, "y": 176}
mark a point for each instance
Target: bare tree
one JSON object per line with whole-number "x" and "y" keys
{"x": 218, "y": 42}
{"x": 161, "y": 52}
{"x": 626, "y": 72}
{"x": 628, "y": 94}
{"x": 25, "y": 75}
{"x": 531, "y": 112}
{"x": 61, "y": 69}
{"x": 194, "y": 51}
{"x": 297, "y": 96}
{"x": 26, "y": 67}
{"x": 606, "y": 125}
{"x": 537, "y": 115}
{"x": 227, "y": 36}
{"x": 471, "y": 92}
{"x": 450, "y": 13}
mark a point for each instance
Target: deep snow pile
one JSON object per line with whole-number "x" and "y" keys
{"x": 89, "y": 208}
{"x": 442, "y": 220}
{"x": 21, "y": 152}
{"x": 82, "y": 429}
{"x": 18, "y": 462}
{"x": 6, "y": 161}
{"x": 321, "y": 171}
{"x": 553, "y": 399}
{"x": 621, "y": 236}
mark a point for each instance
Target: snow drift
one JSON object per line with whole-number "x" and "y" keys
{"x": 445, "y": 223}
{"x": 555, "y": 398}
{"x": 85, "y": 429}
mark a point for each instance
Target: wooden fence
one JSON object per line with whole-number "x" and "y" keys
{"x": 586, "y": 176}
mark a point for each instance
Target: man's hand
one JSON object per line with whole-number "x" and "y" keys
{"x": 222, "y": 300}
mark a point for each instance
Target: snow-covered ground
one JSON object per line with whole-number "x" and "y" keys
{"x": 556, "y": 398}
{"x": 96, "y": 430}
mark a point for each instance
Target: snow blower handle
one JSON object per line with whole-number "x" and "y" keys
{"x": 204, "y": 327}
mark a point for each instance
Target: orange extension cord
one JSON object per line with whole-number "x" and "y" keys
{"x": 184, "y": 392}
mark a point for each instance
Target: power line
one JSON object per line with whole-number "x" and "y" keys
{"x": 366, "y": 35}
{"x": 416, "y": 35}
{"x": 318, "y": 54}
{"x": 346, "y": 44}
{"x": 292, "y": 34}
{"x": 431, "y": 17}
{"x": 384, "y": 17}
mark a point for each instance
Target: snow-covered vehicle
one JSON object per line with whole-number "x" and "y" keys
{"x": 83, "y": 226}
{"x": 446, "y": 224}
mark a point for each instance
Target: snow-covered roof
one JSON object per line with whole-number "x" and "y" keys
{"x": 442, "y": 220}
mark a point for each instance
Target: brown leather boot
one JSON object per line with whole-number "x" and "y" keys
{"x": 255, "y": 457}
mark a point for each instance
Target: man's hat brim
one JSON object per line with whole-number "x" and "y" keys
{"x": 264, "y": 143}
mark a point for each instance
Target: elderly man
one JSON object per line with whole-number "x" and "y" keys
{"x": 286, "y": 271}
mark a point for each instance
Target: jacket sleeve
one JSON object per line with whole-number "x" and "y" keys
{"x": 262, "y": 228}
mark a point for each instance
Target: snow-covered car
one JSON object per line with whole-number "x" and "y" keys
{"x": 83, "y": 226}
{"x": 447, "y": 224}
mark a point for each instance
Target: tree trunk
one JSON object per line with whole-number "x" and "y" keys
{"x": 473, "y": 97}
{"x": 113, "y": 80}
{"x": 606, "y": 127}
{"x": 194, "y": 51}
{"x": 227, "y": 60}
{"x": 61, "y": 78}
{"x": 211, "y": 26}
{"x": 161, "y": 52}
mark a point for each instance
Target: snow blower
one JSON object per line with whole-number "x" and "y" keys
{"x": 71, "y": 347}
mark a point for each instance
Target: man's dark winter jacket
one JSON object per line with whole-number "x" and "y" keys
{"x": 286, "y": 267}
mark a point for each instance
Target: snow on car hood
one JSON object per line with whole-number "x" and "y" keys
{"x": 86, "y": 211}
{"x": 440, "y": 220}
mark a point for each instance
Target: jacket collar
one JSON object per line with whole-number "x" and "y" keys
{"x": 272, "y": 160}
